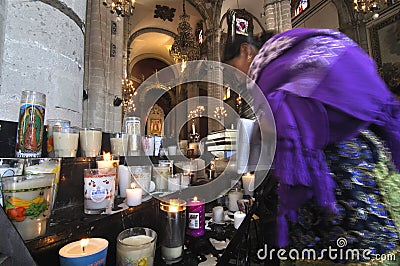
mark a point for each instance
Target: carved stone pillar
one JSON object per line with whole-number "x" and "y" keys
{"x": 214, "y": 75}
{"x": 277, "y": 15}
{"x": 104, "y": 48}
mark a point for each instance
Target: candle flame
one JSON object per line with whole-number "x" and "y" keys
{"x": 173, "y": 208}
{"x": 133, "y": 185}
{"x": 174, "y": 205}
{"x": 106, "y": 156}
{"x": 84, "y": 243}
{"x": 195, "y": 199}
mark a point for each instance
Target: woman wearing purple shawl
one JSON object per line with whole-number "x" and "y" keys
{"x": 338, "y": 145}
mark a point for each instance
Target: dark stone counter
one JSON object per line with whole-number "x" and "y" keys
{"x": 71, "y": 224}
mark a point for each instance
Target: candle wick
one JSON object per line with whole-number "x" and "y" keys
{"x": 83, "y": 249}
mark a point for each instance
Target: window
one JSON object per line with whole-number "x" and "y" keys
{"x": 303, "y": 4}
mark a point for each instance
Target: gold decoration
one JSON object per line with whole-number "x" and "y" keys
{"x": 120, "y": 7}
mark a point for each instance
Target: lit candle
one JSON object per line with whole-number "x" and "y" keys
{"x": 196, "y": 215}
{"x": 107, "y": 160}
{"x": 248, "y": 183}
{"x": 238, "y": 218}
{"x": 133, "y": 195}
{"x": 84, "y": 242}
{"x": 173, "y": 217}
{"x": 89, "y": 251}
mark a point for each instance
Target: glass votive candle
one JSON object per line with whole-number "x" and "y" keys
{"x": 27, "y": 202}
{"x": 65, "y": 141}
{"x": 90, "y": 141}
{"x": 10, "y": 167}
{"x": 174, "y": 182}
{"x": 99, "y": 185}
{"x": 161, "y": 175}
{"x": 45, "y": 166}
{"x": 136, "y": 246}
{"x": 49, "y": 128}
{"x": 173, "y": 222}
{"x": 119, "y": 143}
{"x": 142, "y": 176}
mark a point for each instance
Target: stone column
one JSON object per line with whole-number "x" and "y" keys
{"x": 104, "y": 49}
{"x": 3, "y": 15}
{"x": 277, "y": 15}
{"x": 42, "y": 49}
{"x": 213, "y": 37}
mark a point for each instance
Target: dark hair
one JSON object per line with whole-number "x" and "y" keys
{"x": 232, "y": 49}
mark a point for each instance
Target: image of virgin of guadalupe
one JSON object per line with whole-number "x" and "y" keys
{"x": 31, "y": 129}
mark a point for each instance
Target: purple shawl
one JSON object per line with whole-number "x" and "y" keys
{"x": 322, "y": 88}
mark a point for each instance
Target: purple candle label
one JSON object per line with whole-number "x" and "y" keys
{"x": 194, "y": 220}
{"x": 196, "y": 216}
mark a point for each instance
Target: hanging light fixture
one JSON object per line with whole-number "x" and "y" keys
{"x": 120, "y": 7}
{"x": 185, "y": 46}
{"x": 128, "y": 93}
{"x": 368, "y": 5}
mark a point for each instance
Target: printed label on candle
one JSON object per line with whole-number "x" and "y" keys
{"x": 194, "y": 220}
{"x": 98, "y": 194}
{"x": 99, "y": 190}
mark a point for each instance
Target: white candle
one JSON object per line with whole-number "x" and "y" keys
{"x": 174, "y": 182}
{"x": 218, "y": 214}
{"x": 109, "y": 161}
{"x": 137, "y": 249}
{"x": 90, "y": 251}
{"x": 124, "y": 179}
{"x": 193, "y": 129}
{"x": 90, "y": 140}
{"x": 248, "y": 183}
{"x": 133, "y": 195}
{"x": 233, "y": 197}
{"x": 238, "y": 218}
{"x": 65, "y": 144}
{"x": 161, "y": 174}
{"x": 171, "y": 253}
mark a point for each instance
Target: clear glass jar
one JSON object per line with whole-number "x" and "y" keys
{"x": 30, "y": 124}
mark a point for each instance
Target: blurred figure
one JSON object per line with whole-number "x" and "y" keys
{"x": 338, "y": 144}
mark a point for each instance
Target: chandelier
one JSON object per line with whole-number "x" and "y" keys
{"x": 120, "y": 7}
{"x": 128, "y": 91}
{"x": 198, "y": 112}
{"x": 185, "y": 46}
{"x": 368, "y": 5}
{"x": 220, "y": 112}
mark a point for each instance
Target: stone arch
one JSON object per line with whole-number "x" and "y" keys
{"x": 147, "y": 30}
{"x": 203, "y": 13}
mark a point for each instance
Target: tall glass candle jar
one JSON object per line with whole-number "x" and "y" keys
{"x": 30, "y": 124}
{"x": 173, "y": 220}
{"x": 196, "y": 217}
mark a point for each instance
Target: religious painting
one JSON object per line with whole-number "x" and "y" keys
{"x": 242, "y": 26}
{"x": 155, "y": 121}
{"x": 155, "y": 127}
{"x": 385, "y": 49}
